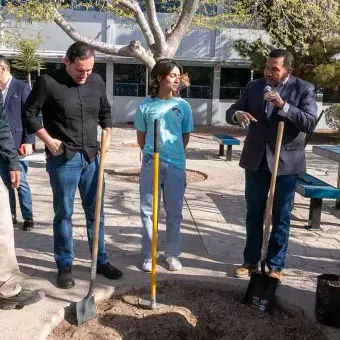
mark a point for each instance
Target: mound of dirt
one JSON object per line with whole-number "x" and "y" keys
{"x": 132, "y": 174}
{"x": 191, "y": 313}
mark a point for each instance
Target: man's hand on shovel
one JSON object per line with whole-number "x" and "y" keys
{"x": 107, "y": 142}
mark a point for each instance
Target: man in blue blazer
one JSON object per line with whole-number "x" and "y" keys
{"x": 277, "y": 96}
{"x": 15, "y": 93}
{"x": 12, "y": 295}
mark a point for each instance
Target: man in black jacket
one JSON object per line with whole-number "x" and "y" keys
{"x": 12, "y": 295}
{"x": 277, "y": 96}
{"x": 73, "y": 102}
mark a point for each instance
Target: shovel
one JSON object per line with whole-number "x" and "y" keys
{"x": 261, "y": 289}
{"x": 150, "y": 301}
{"x": 86, "y": 309}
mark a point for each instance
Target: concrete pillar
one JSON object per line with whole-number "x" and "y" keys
{"x": 109, "y": 85}
{"x": 213, "y": 117}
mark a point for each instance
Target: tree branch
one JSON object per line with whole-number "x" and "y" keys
{"x": 183, "y": 24}
{"x": 133, "y": 6}
{"x": 134, "y": 49}
{"x": 155, "y": 26}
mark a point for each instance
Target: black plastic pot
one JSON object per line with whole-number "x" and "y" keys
{"x": 327, "y": 304}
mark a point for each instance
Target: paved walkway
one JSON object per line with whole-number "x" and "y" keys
{"x": 213, "y": 236}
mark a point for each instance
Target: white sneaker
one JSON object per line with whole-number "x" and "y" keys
{"x": 147, "y": 265}
{"x": 174, "y": 263}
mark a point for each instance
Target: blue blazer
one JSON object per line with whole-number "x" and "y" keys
{"x": 261, "y": 137}
{"x": 17, "y": 94}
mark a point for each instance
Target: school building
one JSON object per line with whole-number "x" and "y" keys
{"x": 218, "y": 74}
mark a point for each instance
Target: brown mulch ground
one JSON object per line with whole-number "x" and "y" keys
{"x": 132, "y": 175}
{"x": 191, "y": 313}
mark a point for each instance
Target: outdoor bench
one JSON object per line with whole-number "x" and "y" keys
{"x": 226, "y": 140}
{"x": 315, "y": 189}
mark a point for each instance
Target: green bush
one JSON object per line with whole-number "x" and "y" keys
{"x": 332, "y": 116}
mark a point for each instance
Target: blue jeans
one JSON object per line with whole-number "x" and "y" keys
{"x": 24, "y": 192}
{"x": 172, "y": 182}
{"x": 65, "y": 177}
{"x": 257, "y": 187}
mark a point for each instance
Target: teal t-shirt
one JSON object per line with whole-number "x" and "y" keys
{"x": 175, "y": 118}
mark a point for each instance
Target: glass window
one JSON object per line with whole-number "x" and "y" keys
{"x": 166, "y": 6}
{"x": 129, "y": 80}
{"x": 99, "y": 68}
{"x": 207, "y": 10}
{"x": 19, "y": 74}
{"x": 330, "y": 96}
{"x": 90, "y": 5}
{"x": 233, "y": 82}
{"x": 162, "y": 6}
{"x": 257, "y": 74}
{"x": 201, "y": 80}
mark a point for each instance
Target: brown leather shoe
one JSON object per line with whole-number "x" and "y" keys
{"x": 245, "y": 270}
{"x": 276, "y": 275}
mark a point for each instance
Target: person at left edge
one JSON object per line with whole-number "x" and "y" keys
{"x": 12, "y": 295}
{"x": 15, "y": 93}
{"x": 72, "y": 101}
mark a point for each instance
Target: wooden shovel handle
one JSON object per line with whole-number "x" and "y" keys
{"x": 99, "y": 195}
{"x": 270, "y": 201}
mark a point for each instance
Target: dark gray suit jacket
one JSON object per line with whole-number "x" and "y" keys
{"x": 8, "y": 153}
{"x": 261, "y": 137}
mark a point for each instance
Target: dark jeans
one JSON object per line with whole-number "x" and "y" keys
{"x": 24, "y": 192}
{"x": 65, "y": 177}
{"x": 257, "y": 188}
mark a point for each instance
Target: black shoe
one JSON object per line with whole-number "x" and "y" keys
{"x": 24, "y": 298}
{"x": 65, "y": 279}
{"x": 28, "y": 225}
{"x": 109, "y": 271}
{"x": 14, "y": 220}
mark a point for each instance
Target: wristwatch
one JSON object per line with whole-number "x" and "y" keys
{"x": 284, "y": 110}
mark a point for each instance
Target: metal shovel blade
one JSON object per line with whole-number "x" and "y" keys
{"x": 261, "y": 292}
{"x": 146, "y": 302}
{"x": 86, "y": 310}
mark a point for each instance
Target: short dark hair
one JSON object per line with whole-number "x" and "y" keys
{"x": 4, "y": 60}
{"x": 288, "y": 59}
{"x": 162, "y": 68}
{"x": 80, "y": 50}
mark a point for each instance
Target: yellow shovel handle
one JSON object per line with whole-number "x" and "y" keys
{"x": 155, "y": 212}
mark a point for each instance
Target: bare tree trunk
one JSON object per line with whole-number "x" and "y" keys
{"x": 29, "y": 79}
{"x": 160, "y": 45}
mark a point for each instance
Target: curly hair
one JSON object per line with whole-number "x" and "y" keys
{"x": 162, "y": 68}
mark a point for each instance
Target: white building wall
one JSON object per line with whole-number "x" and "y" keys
{"x": 124, "y": 108}
{"x": 230, "y": 35}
